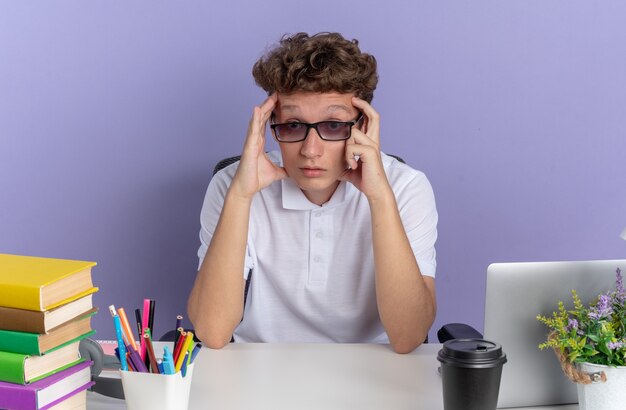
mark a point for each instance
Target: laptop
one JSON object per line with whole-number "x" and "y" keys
{"x": 516, "y": 293}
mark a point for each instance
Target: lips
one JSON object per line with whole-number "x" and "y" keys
{"x": 312, "y": 171}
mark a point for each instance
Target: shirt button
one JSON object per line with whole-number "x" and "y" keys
{"x": 317, "y": 259}
{"x": 319, "y": 234}
{"x": 318, "y": 214}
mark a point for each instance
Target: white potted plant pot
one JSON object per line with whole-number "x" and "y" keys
{"x": 608, "y": 395}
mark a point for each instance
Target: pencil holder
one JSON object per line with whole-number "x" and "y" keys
{"x": 145, "y": 391}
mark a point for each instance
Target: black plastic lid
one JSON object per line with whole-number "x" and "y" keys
{"x": 471, "y": 352}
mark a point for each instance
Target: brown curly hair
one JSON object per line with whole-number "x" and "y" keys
{"x": 323, "y": 62}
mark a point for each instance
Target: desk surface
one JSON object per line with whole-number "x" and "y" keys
{"x": 312, "y": 376}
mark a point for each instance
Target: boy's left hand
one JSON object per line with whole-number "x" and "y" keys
{"x": 363, "y": 155}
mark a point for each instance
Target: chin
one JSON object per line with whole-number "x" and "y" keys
{"x": 317, "y": 186}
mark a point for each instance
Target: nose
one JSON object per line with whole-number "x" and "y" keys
{"x": 313, "y": 145}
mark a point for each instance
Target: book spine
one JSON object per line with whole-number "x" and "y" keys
{"x": 12, "y": 367}
{"x": 22, "y": 320}
{"x": 21, "y": 297}
{"x": 17, "y": 397}
{"x": 19, "y": 342}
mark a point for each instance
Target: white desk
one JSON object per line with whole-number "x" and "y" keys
{"x": 312, "y": 376}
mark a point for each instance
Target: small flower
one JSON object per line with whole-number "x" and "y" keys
{"x": 620, "y": 294}
{"x": 603, "y": 308}
{"x": 615, "y": 345}
{"x": 572, "y": 324}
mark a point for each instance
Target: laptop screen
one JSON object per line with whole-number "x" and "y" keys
{"x": 516, "y": 294}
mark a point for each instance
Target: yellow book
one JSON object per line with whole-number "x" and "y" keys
{"x": 33, "y": 283}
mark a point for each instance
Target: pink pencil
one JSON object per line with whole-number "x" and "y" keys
{"x": 144, "y": 325}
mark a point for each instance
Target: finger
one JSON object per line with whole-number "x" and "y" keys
{"x": 373, "y": 118}
{"x": 268, "y": 106}
{"x": 361, "y": 152}
{"x": 350, "y": 154}
{"x": 361, "y": 138}
{"x": 255, "y": 128}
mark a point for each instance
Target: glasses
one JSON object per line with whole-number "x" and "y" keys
{"x": 327, "y": 130}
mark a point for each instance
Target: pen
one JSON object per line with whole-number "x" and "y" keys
{"x": 138, "y": 319}
{"x": 168, "y": 362}
{"x": 120, "y": 339}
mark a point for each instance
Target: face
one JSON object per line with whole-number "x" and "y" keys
{"x": 314, "y": 164}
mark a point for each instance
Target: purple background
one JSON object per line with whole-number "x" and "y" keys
{"x": 113, "y": 114}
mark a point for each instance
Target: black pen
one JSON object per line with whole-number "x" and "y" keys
{"x": 138, "y": 319}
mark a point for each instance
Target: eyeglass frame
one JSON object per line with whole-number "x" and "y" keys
{"x": 314, "y": 126}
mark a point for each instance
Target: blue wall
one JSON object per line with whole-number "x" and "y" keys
{"x": 112, "y": 115}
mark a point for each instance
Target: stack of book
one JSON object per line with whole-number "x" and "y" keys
{"x": 45, "y": 310}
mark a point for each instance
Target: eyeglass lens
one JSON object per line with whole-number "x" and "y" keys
{"x": 328, "y": 130}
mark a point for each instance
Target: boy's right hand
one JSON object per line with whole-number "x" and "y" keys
{"x": 255, "y": 170}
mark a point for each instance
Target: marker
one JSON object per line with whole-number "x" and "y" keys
{"x": 168, "y": 361}
{"x": 120, "y": 339}
{"x": 195, "y": 352}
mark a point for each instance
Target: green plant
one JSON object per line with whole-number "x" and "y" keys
{"x": 593, "y": 334}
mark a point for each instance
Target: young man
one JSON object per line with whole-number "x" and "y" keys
{"x": 338, "y": 237}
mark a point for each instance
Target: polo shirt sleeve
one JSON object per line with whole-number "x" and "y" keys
{"x": 416, "y": 204}
{"x": 210, "y": 214}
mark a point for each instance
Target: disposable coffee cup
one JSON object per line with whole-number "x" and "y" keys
{"x": 470, "y": 373}
{"x": 147, "y": 391}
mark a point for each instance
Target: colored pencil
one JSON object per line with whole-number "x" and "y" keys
{"x": 153, "y": 363}
{"x": 151, "y": 316}
{"x": 181, "y": 354}
{"x": 126, "y": 328}
{"x": 179, "y": 345}
{"x": 144, "y": 324}
{"x": 179, "y": 324}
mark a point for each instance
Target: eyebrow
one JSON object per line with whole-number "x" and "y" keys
{"x": 330, "y": 109}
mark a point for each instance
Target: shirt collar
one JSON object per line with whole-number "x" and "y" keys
{"x": 294, "y": 198}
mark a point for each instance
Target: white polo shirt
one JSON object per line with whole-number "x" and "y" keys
{"x": 312, "y": 266}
